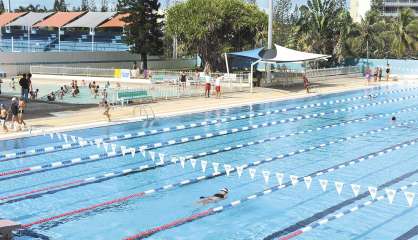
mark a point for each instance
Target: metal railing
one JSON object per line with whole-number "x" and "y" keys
{"x": 327, "y": 72}
{"x": 285, "y": 78}
{"x": 72, "y": 71}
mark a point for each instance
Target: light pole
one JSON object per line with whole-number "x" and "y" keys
{"x": 270, "y": 37}
{"x": 270, "y": 28}
{"x": 9, "y": 9}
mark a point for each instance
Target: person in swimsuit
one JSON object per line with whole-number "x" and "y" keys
{"x": 22, "y": 106}
{"x": 387, "y": 72}
{"x": 107, "y": 109}
{"x": 3, "y": 117}
{"x": 221, "y": 195}
{"x": 14, "y": 109}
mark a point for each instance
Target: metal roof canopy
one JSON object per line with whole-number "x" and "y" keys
{"x": 115, "y": 22}
{"x": 59, "y": 19}
{"x": 90, "y": 20}
{"x": 6, "y": 18}
{"x": 29, "y": 19}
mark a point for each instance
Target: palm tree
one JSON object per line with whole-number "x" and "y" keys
{"x": 321, "y": 25}
{"x": 406, "y": 30}
{"x": 366, "y": 38}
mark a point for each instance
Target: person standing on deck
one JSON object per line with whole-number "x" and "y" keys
{"x": 387, "y": 72}
{"x": 207, "y": 84}
{"x": 24, "y": 84}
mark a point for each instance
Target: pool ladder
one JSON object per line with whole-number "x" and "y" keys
{"x": 145, "y": 112}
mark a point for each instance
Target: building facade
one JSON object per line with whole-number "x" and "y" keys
{"x": 391, "y": 8}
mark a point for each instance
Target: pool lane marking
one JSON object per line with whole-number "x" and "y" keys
{"x": 144, "y": 168}
{"x": 68, "y": 146}
{"x": 411, "y": 233}
{"x": 215, "y": 210}
{"x": 217, "y": 174}
{"x": 90, "y": 180}
{"x": 102, "y": 156}
{"x": 338, "y": 215}
{"x": 97, "y": 157}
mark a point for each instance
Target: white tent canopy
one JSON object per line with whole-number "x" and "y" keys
{"x": 284, "y": 55}
{"x": 29, "y": 19}
{"x": 90, "y": 20}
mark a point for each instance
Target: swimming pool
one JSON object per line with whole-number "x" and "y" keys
{"x": 79, "y": 185}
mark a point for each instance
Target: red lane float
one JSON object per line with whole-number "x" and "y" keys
{"x": 14, "y": 172}
{"x": 81, "y": 210}
{"x": 40, "y": 190}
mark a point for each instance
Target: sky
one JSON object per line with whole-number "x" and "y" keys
{"x": 49, "y": 3}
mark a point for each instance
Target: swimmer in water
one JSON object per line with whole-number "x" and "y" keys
{"x": 393, "y": 119}
{"x": 221, "y": 195}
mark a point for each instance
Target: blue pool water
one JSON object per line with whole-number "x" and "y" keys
{"x": 24, "y": 196}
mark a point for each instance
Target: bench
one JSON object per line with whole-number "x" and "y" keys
{"x": 127, "y": 96}
{"x": 6, "y": 228}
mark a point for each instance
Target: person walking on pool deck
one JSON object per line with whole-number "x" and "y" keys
{"x": 107, "y": 109}
{"x": 14, "y": 109}
{"x": 3, "y": 117}
{"x": 306, "y": 83}
{"x": 221, "y": 195}
{"x": 22, "y": 106}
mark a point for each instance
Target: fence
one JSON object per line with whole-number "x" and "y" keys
{"x": 193, "y": 87}
{"x": 73, "y": 71}
{"x": 287, "y": 77}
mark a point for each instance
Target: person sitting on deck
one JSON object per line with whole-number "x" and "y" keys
{"x": 221, "y": 195}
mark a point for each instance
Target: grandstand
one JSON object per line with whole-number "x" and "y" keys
{"x": 62, "y": 32}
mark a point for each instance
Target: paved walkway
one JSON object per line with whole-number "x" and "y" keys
{"x": 93, "y": 116}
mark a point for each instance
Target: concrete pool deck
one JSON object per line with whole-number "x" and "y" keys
{"x": 93, "y": 117}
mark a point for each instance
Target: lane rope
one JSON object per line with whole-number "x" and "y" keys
{"x": 144, "y": 168}
{"x": 38, "y": 151}
{"x": 217, "y": 174}
{"x": 97, "y": 157}
{"x": 338, "y": 215}
{"x": 267, "y": 191}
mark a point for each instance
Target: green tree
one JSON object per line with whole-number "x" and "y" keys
{"x": 282, "y": 16}
{"x": 56, "y": 5}
{"x": 59, "y": 5}
{"x": 92, "y": 6}
{"x": 104, "y": 6}
{"x": 377, "y": 5}
{"x": 2, "y": 9}
{"x": 211, "y": 28}
{"x": 31, "y": 8}
{"x": 144, "y": 27}
{"x": 406, "y": 30}
{"x": 366, "y": 38}
{"x": 84, "y": 5}
{"x": 321, "y": 27}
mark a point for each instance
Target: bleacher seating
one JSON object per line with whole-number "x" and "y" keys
{"x": 47, "y": 41}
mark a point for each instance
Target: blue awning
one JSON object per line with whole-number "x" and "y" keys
{"x": 253, "y": 54}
